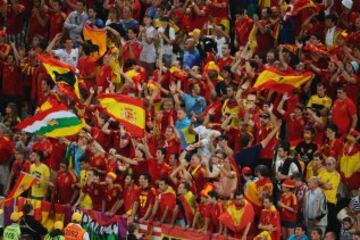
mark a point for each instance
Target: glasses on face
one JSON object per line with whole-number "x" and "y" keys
{"x": 329, "y": 164}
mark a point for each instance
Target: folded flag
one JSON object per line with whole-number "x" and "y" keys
{"x": 63, "y": 75}
{"x": 97, "y": 38}
{"x": 127, "y": 110}
{"x": 55, "y": 122}
{"x": 275, "y": 80}
{"x": 23, "y": 183}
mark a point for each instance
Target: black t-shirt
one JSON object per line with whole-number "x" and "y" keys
{"x": 248, "y": 157}
{"x": 306, "y": 150}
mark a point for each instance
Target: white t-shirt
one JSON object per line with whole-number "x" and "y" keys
{"x": 219, "y": 44}
{"x": 69, "y": 58}
{"x": 148, "y": 52}
{"x": 167, "y": 48}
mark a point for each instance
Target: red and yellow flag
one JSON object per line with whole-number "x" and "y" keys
{"x": 237, "y": 218}
{"x": 97, "y": 37}
{"x": 188, "y": 203}
{"x": 273, "y": 79}
{"x": 63, "y": 75}
{"x": 127, "y": 110}
{"x": 23, "y": 183}
{"x": 350, "y": 167}
{"x": 299, "y": 5}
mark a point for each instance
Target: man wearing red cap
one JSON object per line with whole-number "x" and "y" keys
{"x": 113, "y": 200}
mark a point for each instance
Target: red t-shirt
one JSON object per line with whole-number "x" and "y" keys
{"x": 289, "y": 200}
{"x": 12, "y": 81}
{"x": 6, "y": 149}
{"x": 145, "y": 199}
{"x": 199, "y": 21}
{"x": 222, "y": 62}
{"x": 294, "y": 129}
{"x": 261, "y": 133}
{"x": 56, "y": 24}
{"x": 64, "y": 185}
{"x": 265, "y": 40}
{"x": 103, "y": 77}
{"x": 14, "y": 23}
{"x": 96, "y": 192}
{"x": 137, "y": 48}
{"x": 35, "y": 28}
{"x": 112, "y": 195}
{"x": 343, "y": 110}
{"x": 99, "y": 162}
{"x": 218, "y": 12}
{"x": 57, "y": 154}
{"x": 167, "y": 200}
{"x": 130, "y": 196}
{"x": 157, "y": 170}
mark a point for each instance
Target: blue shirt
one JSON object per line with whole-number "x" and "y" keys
{"x": 194, "y": 104}
{"x": 191, "y": 58}
{"x": 182, "y": 126}
{"x": 293, "y": 237}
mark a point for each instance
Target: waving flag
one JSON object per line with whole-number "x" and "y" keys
{"x": 63, "y": 75}
{"x": 55, "y": 122}
{"x": 97, "y": 37}
{"x": 127, "y": 110}
{"x": 273, "y": 79}
{"x": 23, "y": 183}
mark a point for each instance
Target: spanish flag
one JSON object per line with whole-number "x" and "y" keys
{"x": 350, "y": 166}
{"x": 97, "y": 37}
{"x": 63, "y": 75}
{"x": 236, "y": 218}
{"x": 273, "y": 79}
{"x": 127, "y": 110}
{"x": 23, "y": 183}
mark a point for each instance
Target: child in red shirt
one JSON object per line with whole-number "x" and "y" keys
{"x": 288, "y": 206}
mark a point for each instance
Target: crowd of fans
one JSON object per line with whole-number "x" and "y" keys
{"x": 208, "y": 137}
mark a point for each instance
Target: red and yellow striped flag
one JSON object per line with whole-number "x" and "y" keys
{"x": 273, "y": 79}
{"x": 127, "y": 110}
{"x": 97, "y": 37}
{"x": 23, "y": 183}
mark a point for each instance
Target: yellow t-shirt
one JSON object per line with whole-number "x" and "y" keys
{"x": 310, "y": 171}
{"x": 86, "y": 202}
{"x": 319, "y": 102}
{"x": 42, "y": 172}
{"x": 332, "y": 178}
